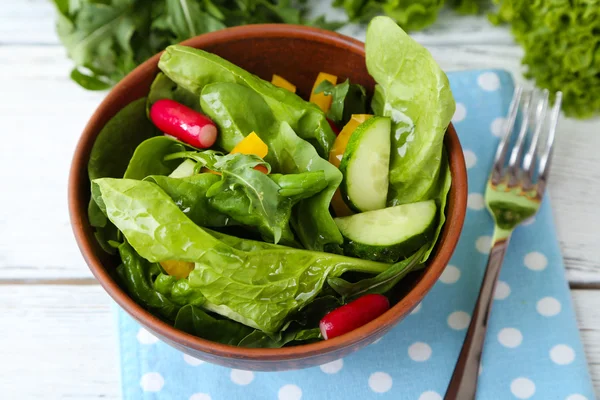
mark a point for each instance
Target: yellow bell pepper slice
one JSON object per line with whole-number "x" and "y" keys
{"x": 178, "y": 269}
{"x": 283, "y": 83}
{"x": 335, "y": 157}
{"x": 251, "y": 144}
{"x": 341, "y": 141}
{"x": 322, "y": 100}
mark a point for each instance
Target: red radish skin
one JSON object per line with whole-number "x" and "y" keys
{"x": 182, "y": 122}
{"x": 334, "y": 127}
{"x": 353, "y": 315}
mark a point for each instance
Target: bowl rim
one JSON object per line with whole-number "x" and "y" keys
{"x": 77, "y": 204}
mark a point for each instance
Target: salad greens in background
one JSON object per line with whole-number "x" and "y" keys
{"x": 242, "y": 249}
{"x": 107, "y": 39}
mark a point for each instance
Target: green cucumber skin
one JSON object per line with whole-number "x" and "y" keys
{"x": 389, "y": 254}
{"x": 353, "y": 142}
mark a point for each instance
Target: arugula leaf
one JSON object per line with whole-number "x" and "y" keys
{"x": 415, "y": 93}
{"x": 137, "y": 276}
{"x": 194, "y": 321}
{"x": 193, "y": 69}
{"x": 251, "y": 197}
{"x": 258, "y": 288}
{"x": 379, "y": 284}
{"x": 288, "y": 154}
{"x": 188, "y": 18}
{"x": 109, "y": 38}
{"x": 347, "y": 99}
{"x": 190, "y": 196}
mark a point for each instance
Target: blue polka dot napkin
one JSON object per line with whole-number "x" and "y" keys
{"x": 533, "y": 349}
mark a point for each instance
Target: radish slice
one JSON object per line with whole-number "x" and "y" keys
{"x": 353, "y": 315}
{"x": 185, "y": 124}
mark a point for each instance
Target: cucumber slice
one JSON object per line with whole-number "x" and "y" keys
{"x": 390, "y": 233}
{"x": 366, "y": 165}
{"x": 184, "y": 169}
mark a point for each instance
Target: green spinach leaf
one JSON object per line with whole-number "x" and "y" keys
{"x": 189, "y": 194}
{"x": 149, "y": 158}
{"x": 109, "y": 157}
{"x": 347, "y": 99}
{"x": 440, "y": 193}
{"x": 118, "y": 140}
{"x": 288, "y": 154}
{"x": 138, "y": 275}
{"x": 164, "y": 88}
{"x": 259, "y": 288}
{"x": 178, "y": 291}
{"x": 280, "y": 339}
{"x": 415, "y": 93}
{"x": 379, "y": 284}
{"x": 193, "y": 69}
{"x": 195, "y": 321}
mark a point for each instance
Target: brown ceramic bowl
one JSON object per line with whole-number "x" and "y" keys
{"x": 298, "y": 53}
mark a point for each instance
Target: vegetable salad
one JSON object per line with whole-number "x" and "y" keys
{"x": 246, "y": 215}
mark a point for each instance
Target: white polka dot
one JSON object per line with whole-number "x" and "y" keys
{"x": 522, "y": 388}
{"x": 152, "y": 382}
{"x": 459, "y": 320}
{"x": 377, "y": 340}
{"x": 450, "y": 275}
{"x": 240, "y": 377}
{"x": 497, "y": 127}
{"x": 470, "y": 158}
{"x": 332, "y": 367}
{"x": 460, "y": 113}
{"x": 193, "y": 361}
{"x": 510, "y": 337}
{"x": 548, "y": 306}
{"x": 380, "y": 382}
{"x": 576, "y": 396}
{"x": 488, "y": 81}
{"x": 419, "y": 351}
{"x": 562, "y": 354}
{"x": 536, "y": 261}
{"x": 484, "y": 244}
{"x": 145, "y": 337}
{"x": 502, "y": 290}
{"x": 430, "y": 395}
{"x": 475, "y": 201}
{"x": 416, "y": 309}
{"x": 289, "y": 392}
{"x": 528, "y": 221}
{"x": 200, "y": 396}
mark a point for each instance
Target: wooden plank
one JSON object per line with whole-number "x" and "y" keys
{"x": 58, "y": 342}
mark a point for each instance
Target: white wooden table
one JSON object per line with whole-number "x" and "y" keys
{"x": 57, "y": 334}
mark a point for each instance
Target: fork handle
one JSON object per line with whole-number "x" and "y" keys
{"x": 463, "y": 384}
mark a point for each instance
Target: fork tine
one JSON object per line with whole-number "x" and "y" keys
{"x": 546, "y": 158}
{"x": 517, "y": 151}
{"x": 508, "y": 128}
{"x": 530, "y": 156}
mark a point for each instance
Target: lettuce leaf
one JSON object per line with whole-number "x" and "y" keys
{"x": 415, "y": 93}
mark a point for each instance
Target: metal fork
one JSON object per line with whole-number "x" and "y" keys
{"x": 513, "y": 195}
